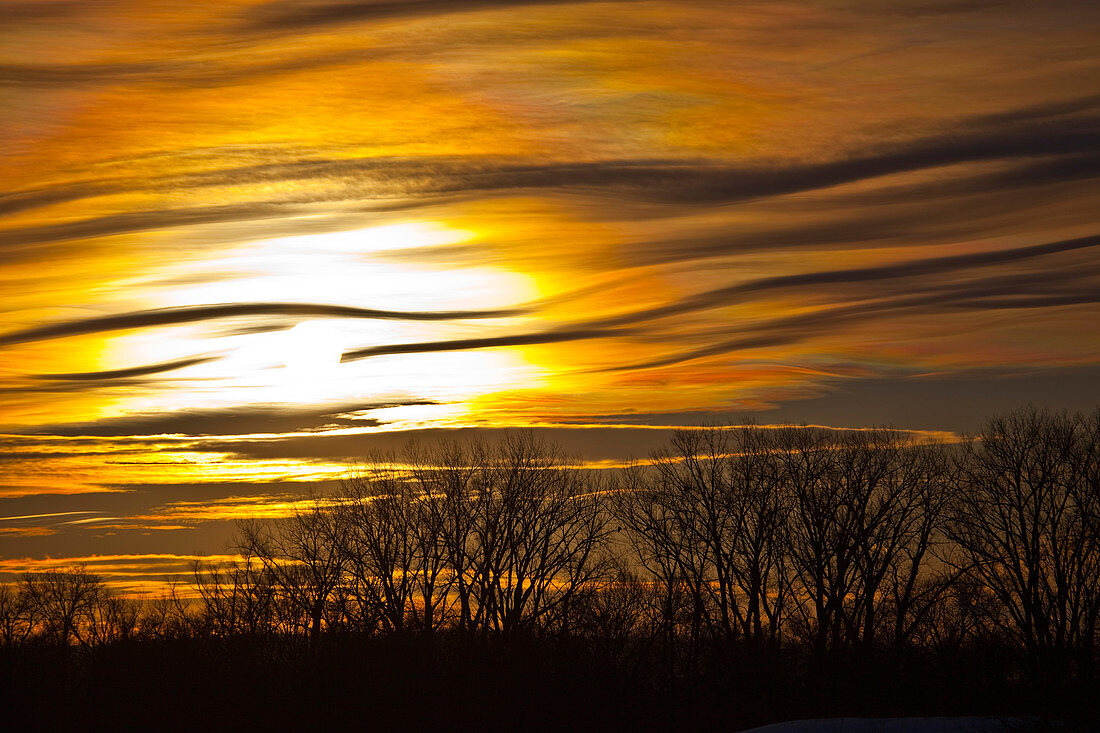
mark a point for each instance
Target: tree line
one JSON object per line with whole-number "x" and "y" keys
{"x": 806, "y": 544}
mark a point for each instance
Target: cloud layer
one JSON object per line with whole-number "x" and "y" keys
{"x": 243, "y": 244}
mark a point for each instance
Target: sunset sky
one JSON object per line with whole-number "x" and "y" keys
{"x": 245, "y": 244}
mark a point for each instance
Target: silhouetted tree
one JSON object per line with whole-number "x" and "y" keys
{"x": 116, "y": 619}
{"x": 303, "y": 555}
{"x": 448, "y": 478}
{"x": 539, "y": 528}
{"x": 62, "y": 604}
{"x": 742, "y": 571}
{"x": 378, "y": 543}
{"x": 1025, "y": 521}
{"x": 15, "y": 621}
{"x": 234, "y": 598}
{"x": 866, "y": 510}
{"x": 708, "y": 518}
{"x": 507, "y": 537}
{"x": 168, "y": 616}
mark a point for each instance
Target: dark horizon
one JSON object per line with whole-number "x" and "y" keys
{"x": 744, "y": 575}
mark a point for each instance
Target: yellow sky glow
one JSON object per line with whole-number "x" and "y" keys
{"x": 242, "y": 244}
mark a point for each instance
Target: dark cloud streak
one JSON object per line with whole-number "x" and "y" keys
{"x": 194, "y": 313}
{"x": 291, "y": 17}
{"x": 1073, "y": 143}
{"x": 791, "y": 329}
{"x": 489, "y": 342}
{"x": 141, "y": 371}
{"x": 988, "y": 294}
{"x": 176, "y": 72}
{"x": 231, "y": 421}
{"x": 913, "y": 268}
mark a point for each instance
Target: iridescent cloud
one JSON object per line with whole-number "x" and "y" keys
{"x": 243, "y": 244}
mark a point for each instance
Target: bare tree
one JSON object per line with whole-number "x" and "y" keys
{"x": 817, "y": 533}
{"x": 440, "y": 531}
{"x": 1025, "y": 520}
{"x": 538, "y": 530}
{"x": 303, "y": 555}
{"x": 757, "y": 557}
{"x": 914, "y": 585}
{"x": 167, "y": 616}
{"x": 619, "y": 617}
{"x": 116, "y": 619}
{"x": 503, "y": 538}
{"x": 650, "y": 527}
{"x": 707, "y": 523}
{"x": 378, "y": 542}
{"x": 62, "y": 604}
{"x": 15, "y": 621}
{"x": 234, "y": 598}
{"x": 862, "y": 511}
{"x": 453, "y": 476}
{"x": 896, "y": 488}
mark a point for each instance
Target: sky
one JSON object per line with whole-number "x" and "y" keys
{"x": 247, "y": 245}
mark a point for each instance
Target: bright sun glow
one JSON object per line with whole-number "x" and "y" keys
{"x": 262, "y": 360}
{"x": 313, "y": 350}
{"x": 378, "y": 239}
